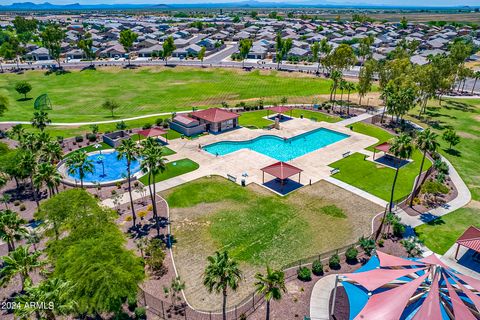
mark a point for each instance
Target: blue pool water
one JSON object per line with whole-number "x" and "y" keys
{"x": 112, "y": 168}
{"x": 279, "y": 148}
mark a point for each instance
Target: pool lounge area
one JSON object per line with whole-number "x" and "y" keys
{"x": 281, "y": 149}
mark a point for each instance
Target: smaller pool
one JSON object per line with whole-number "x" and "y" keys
{"x": 279, "y": 148}
{"x": 106, "y": 168}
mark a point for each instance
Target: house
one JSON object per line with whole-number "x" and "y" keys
{"x": 75, "y": 54}
{"x": 148, "y": 52}
{"x": 40, "y": 54}
{"x": 191, "y": 50}
{"x": 257, "y": 52}
{"x": 213, "y": 120}
{"x": 187, "y": 125}
{"x": 113, "y": 51}
{"x": 208, "y": 43}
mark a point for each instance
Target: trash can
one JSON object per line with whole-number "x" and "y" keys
{"x": 301, "y": 116}
{"x": 243, "y": 183}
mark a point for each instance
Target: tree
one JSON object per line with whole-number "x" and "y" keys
{"x": 350, "y": 86}
{"x": 451, "y": 137}
{"x": 325, "y": 50}
{"x": 27, "y": 164}
{"x": 168, "y": 48}
{"x": 3, "y": 104}
{"x": 79, "y": 163}
{"x": 222, "y": 273}
{"x": 23, "y": 25}
{"x": 476, "y": 76}
{"x": 11, "y": 228}
{"x": 315, "y": 48}
{"x": 201, "y": 54}
{"x": 244, "y": 46}
{"x": 282, "y": 48}
{"x": 19, "y": 262}
{"x": 40, "y": 120}
{"x": 426, "y": 142}
{"x": 110, "y": 105}
{"x": 341, "y": 58}
{"x": 52, "y": 37}
{"x": 401, "y": 148}
{"x": 54, "y": 294}
{"x": 271, "y": 285}
{"x": 48, "y": 174}
{"x": 336, "y": 77}
{"x": 404, "y": 23}
{"x": 85, "y": 43}
{"x": 23, "y": 87}
{"x": 176, "y": 287}
{"x": 153, "y": 163}
{"x": 130, "y": 151}
{"x": 364, "y": 48}
{"x": 127, "y": 38}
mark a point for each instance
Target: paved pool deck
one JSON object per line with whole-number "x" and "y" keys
{"x": 315, "y": 164}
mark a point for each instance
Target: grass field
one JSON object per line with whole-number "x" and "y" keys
{"x": 173, "y": 169}
{"x": 464, "y": 116}
{"x": 372, "y": 131}
{"x": 258, "y": 227}
{"x": 78, "y": 95}
{"x": 440, "y": 234}
{"x": 254, "y": 119}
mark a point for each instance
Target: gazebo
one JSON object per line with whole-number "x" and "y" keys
{"x": 384, "y": 147}
{"x": 396, "y": 288}
{"x": 281, "y": 171}
{"x": 469, "y": 239}
{"x": 280, "y": 110}
{"x": 153, "y": 132}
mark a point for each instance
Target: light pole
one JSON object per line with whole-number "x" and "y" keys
{"x": 101, "y": 160}
{"x": 98, "y": 146}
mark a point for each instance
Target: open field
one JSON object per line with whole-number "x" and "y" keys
{"x": 464, "y": 116}
{"x": 440, "y": 234}
{"x": 258, "y": 227}
{"x": 255, "y": 119}
{"x": 78, "y": 95}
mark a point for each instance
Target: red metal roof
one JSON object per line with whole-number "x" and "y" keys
{"x": 385, "y": 147}
{"x": 279, "y": 109}
{"x": 152, "y": 132}
{"x": 281, "y": 170}
{"x": 470, "y": 238}
{"x": 215, "y": 115}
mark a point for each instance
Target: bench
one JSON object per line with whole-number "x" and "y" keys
{"x": 334, "y": 170}
{"x": 346, "y": 154}
{"x": 231, "y": 178}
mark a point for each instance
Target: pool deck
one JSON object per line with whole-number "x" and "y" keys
{"x": 315, "y": 164}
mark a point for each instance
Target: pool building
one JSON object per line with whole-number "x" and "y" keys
{"x": 214, "y": 120}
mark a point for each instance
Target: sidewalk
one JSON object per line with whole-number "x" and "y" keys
{"x": 320, "y": 298}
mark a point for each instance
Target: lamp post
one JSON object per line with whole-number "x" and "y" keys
{"x": 98, "y": 146}
{"x": 101, "y": 160}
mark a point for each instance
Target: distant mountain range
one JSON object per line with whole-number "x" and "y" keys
{"x": 30, "y": 6}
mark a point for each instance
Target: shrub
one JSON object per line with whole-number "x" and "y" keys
{"x": 304, "y": 274}
{"x": 334, "y": 261}
{"x": 154, "y": 255}
{"x": 351, "y": 254}
{"x": 140, "y": 313}
{"x": 367, "y": 244}
{"x": 132, "y": 303}
{"x": 398, "y": 229}
{"x": 165, "y": 125}
{"x": 78, "y": 139}
{"x": 22, "y": 207}
{"x": 317, "y": 268}
{"x": 381, "y": 242}
{"x": 159, "y": 122}
{"x": 91, "y": 137}
{"x": 147, "y": 126}
{"x": 118, "y": 185}
{"x": 16, "y": 203}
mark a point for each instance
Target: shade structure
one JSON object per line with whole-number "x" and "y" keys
{"x": 385, "y": 147}
{"x": 414, "y": 289}
{"x": 279, "y": 109}
{"x": 152, "y": 132}
{"x": 281, "y": 170}
{"x": 470, "y": 239}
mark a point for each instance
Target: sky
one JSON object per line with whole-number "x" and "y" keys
{"x": 340, "y": 2}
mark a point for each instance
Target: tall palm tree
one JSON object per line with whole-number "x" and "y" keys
{"x": 426, "y": 142}
{"x": 79, "y": 162}
{"x": 272, "y": 284}
{"x": 47, "y": 173}
{"x": 52, "y": 291}
{"x": 476, "y": 76}
{"x": 11, "y": 228}
{"x": 52, "y": 151}
{"x": 27, "y": 164}
{"x": 40, "y": 120}
{"x": 222, "y": 273}
{"x": 336, "y": 76}
{"x": 153, "y": 163}
{"x": 401, "y": 148}
{"x": 350, "y": 86}
{"x": 20, "y": 262}
{"x": 130, "y": 151}
{"x": 33, "y": 237}
{"x": 342, "y": 86}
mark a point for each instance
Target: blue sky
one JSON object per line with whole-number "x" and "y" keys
{"x": 348, "y": 2}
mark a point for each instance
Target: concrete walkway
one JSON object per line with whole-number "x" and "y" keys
{"x": 352, "y": 120}
{"x": 320, "y": 299}
{"x": 357, "y": 191}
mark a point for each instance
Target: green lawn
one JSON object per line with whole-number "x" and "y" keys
{"x": 309, "y": 114}
{"x": 78, "y": 95}
{"x": 173, "y": 169}
{"x": 440, "y": 234}
{"x": 254, "y": 119}
{"x": 373, "y": 131}
{"x": 464, "y": 116}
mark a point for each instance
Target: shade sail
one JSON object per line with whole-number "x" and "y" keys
{"x": 279, "y": 109}
{"x": 385, "y": 147}
{"x": 376, "y": 278}
{"x": 430, "y": 308}
{"x": 281, "y": 170}
{"x": 387, "y": 260}
{"x": 152, "y": 132}
{"x": 460, "y": 311}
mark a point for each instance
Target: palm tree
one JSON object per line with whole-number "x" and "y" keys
{"x": 47, "y": 173}
{"x": 52, "y": 151}
{"x": 27, "y": 164}
{"x": 40, "y": 120}
{"x": 336, "y": 76}
{"x": 52, "y": 291}
{"x": 476, "y": 76}
{"x": 11, "y": 228}
{"x": 130, "y": 151}
{"x": 5, "y": 198}
{"x": 221, "y": 274}
{"x": 79, "y": 162}
{"x": 272, "y": 284}
{"x": 33, "y": 237}
{"x": 19, "y": 262}
{"x": 401, "y": 148}
{"x": 426, "y": 142}
{"x": 342, "y": 86}
{"x": 153, "y": 163}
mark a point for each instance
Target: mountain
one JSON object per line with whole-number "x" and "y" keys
{"x": 76, "y": 6}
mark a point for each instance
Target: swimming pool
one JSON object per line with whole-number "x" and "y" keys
{"x": 106, "y": 168}
{"x": 279, "y": 148}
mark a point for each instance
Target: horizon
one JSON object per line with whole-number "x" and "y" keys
{"x": 378, "y": 3}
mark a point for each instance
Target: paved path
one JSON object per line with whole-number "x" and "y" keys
{"x": 357, "y": 191}
{"x": 352, "y": 120}
{"x": 320, "y": 298}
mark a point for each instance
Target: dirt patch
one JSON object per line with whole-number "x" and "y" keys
{"x": 473, "y": 204}
{"x": 466, "y": 135}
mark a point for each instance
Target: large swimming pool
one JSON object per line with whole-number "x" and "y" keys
{"x": 279, "y": 148}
